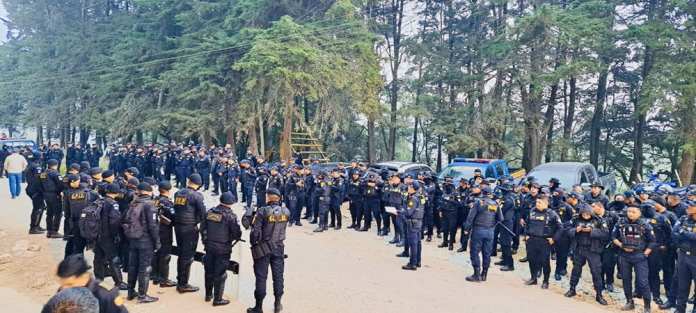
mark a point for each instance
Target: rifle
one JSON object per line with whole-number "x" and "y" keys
{"x": 233, "y": 266}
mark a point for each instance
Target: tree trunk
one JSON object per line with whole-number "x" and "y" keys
{"x": 597, "y": 117}
{"x": 687, "y": 164}
{"x": 397, "y": 17}
{"x": 262, "y": 137}
{"x": 548, "y": 121}
{"x": 285, "y": 149}
{"x": 139, "y": 138}
{"x": 371, "y": 140}
{"x": 569, "y": 117}
{"x": 414, "y": 145}
{"x": 39, "y": 135}
{"x": 438, "y": 166}
{"x": 253, "y": 140}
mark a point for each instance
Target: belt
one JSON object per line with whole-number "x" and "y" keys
{"x": 689, "y": 253}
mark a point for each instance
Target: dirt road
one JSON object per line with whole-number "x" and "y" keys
{"x": 336, "y": 271}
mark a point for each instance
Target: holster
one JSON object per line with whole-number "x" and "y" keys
{"x": 261, "y": 250}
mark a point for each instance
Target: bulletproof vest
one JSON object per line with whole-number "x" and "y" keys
{"x": 661, "y": 229}
{"x": 184, "y": 212}
{"x": 261, "y": 182}
{"x": 276, "y": 223}
{"x": 539, "y": 224}
{"x": 354, "y": 188}
{"x": 393, "y": 195}
{"x": 415, "y": 202}
{"x": 430, "y": 190}
{"x": 584, "y": 239}
{"x": 449, "y": 197}
{"x": 371, "y": 191}
{"x": 165, "y": 210}
{"x": 217, "y": 226}
{"x": 687, "y": 226}
{"x": 78, "y": 199}
{"x": 631, "y": 234}
{"x": 275, "y": 182}
{"x": 324, "y": 191}
{"x": 487, "y": 209}
{"x": 565, "y": 212}
{"x": 337, "y": 190}
{"x": 48, "y": 180}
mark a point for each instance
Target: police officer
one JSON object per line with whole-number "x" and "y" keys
{"x": 247, "y": 176}
{"x": 662, "y": 228}
{"x": 267, "y": 248}
{"x": 141, "y": 228}
{"x": 77, "y": 197}
{"x": 413, "y": 213}
{"x": 480, "y": 225}
{"x": 448, "y": 212}
{"x": 543, "y": 229}
{"x": 635, "y": 237}
{"x": 189, "y": 212}
{"x": 165, "y": 216}
{"x": 393, "y": 196}
{"x": 337, "y": 190}
{"x": 260, "y": 186}
{"x": 466, "y": 199}
{"x": 597, "y": 194}
{"x": 74, "y": 272}
{"x": 202, "y": 166}
{"x": 565, "y": 209}
{"x": 33, "y": 190}
{"x": 294, "y": 193}
{"x": 219, "y": 230}
{"x": 508, "y": 207}
{"x": 355, "y": 193}
{"x": 589, "y": 235}
{"x": 323, "y": 187}
{"x": 51, "y": 188}
{"x": 609, "y": 253}
{"x": 371, "y": 208}
{"x": 430, "y": 190}
{"x": 105, "y": 252}
{"x": 684, "y": 235}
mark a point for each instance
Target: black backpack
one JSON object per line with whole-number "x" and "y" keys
{"x": 132, "y": 223}
{"x": 90, "y": 220}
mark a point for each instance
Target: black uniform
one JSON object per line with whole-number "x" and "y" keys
{"x": 219, "y": 230}
{"x": 165, "y": 216}
{"x": 355, "y": 193}
{"x": 76, "y": 199}
{"x": 588, "y": 247}
{"x": 541, "y": 226}
{"x": 105, "y": 251}
{"x": 684, "y": 235}
{"x": 635, "y": 237}
{"x": 33, "y": 175}
{"x": 142, "y": 248}
{"x": 610, "y": 252}
{"x": 51, "y": 187}
{"x": 267, "y": 248}
{"x": 448, "y": 210}
{"x": 189, "y": 212}
{"x": 109, "y": 299}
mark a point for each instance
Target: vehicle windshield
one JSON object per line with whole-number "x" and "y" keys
{"x": 458, "y": 172}
{"x": 567, "y": 179}
{"x": 18, "y": 143}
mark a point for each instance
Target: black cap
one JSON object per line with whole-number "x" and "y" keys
{"x": 84, "y": 165}
{"x": 133, "y": 170}
{"x": 575, "y": 195}
{"x": 597, "y": 184}
{"x": 144, "y": 187}
{"x": 133, "y": 181}
{"x": 52, "y": 162}
{"x": 584, "y": 208}
{"x": 150, "y": 180}
{"x": 95, "y": 171}
{"x": 195, "y": 179}
{"x": 544, "y": 193}
{"x": 228, "y": 198}
{"x": 84, "y": 178}
{"x": 478, "y": 170}
{"x": 73, "y": 265}
{"x": 164, "y": 185}
{"x": 107, "y": 174}
{"x": 73, "y": 177}
{"x": 113, "y": 188}
{"x": 273, "y": 191}
{"x": 554, "y": 180}
{"x": 75, "y": 167}
{"x": 659, "y": 200}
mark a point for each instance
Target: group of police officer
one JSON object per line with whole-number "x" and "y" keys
{"x": 131, "y": 229}
{"x": 643, "y": 233}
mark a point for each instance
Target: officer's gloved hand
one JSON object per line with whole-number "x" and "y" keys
{"x": 246, "y": 221}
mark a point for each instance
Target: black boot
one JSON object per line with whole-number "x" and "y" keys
{"x": 429, "y": 238}
{"x": 184, "y": 288}
{"x": 257, "y": 308}
{"x": 531, "y": 281}
{"x": 450, "y": 247}
{"x": 461, "y": 249}
{"x": 476, "y": 277}
{"x": 118, "y": 277}
{"x": 219, "y": 288}
{"x": 629, "y": 306}
{"x": 143, "y": 286}
{"x": 667, "y": 305}
{"x": 277, "y": 305}
{"x": 442, "y": 245}
{"x": 484, "y": 274}
{"x": 646, "y": 306}
{"x": 131, "y": 294}
{"x": 571, "y": 292}
{"x": 600, "y": 299}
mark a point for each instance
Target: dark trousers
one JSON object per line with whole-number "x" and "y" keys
{"x": 538, "y": 256}
{"x": 294, "y": 209}
{"x": 106, "y": 260}
{"x": 428, "y": 223}
{"x": 686, "y": 267}
{"x": 449, "y": 226}
{"x": 413, "y": 240}
{"x": 187, "y": 242}
{"x": 75, "y": 243}
{"x": 656, "y": 264}
{"x": 139, "y": 268}
{"x": 247, "y": 194}
{"x": 481, "y": 247}
{"x": 506, "y": 244}
{"x": 54, "y": 211}
{"x": 370, "y": 211}
{"x": 276, "y": 261}
{"x": 461, "y": 217}
{"x": 160, "y": 264}
{"x": 205, "y": 176}
{"x": 37, "y": 209}
{"x": 335, "y": 213}
{"x": 562, "y": 249}
{"x": 594, "y": 260}
{"x": 638, "y": 262}
{"x": 609, "y": 260}
{"x": 216, "y": 183}
{"x": 124, "y": 251}
{"x": 355, "y": 212}
{"x": 261, "y": 198}
{"x": 215, "y": 266}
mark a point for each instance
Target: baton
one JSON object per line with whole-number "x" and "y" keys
{"x": 506, "y": 228}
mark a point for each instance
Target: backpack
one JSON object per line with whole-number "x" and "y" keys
{"x": 132, "y": 223}
{"x": 90, "y": 220}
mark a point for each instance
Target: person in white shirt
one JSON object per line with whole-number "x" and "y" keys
{"x": 15, "y": 164}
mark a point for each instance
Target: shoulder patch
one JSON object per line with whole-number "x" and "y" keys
{"x": 214, "y": 217}
{"x": 119, "y": 301}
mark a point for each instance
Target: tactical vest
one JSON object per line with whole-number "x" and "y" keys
{"x": 276, "y": 223}
{"x": 487, "y": 212}
{"x": 631, "y": 235}
{"x": 217, "y": 227}
{"x": 539, "y": 224}
{"x": 184, "y": 212}
{"x": 687, "y": 226}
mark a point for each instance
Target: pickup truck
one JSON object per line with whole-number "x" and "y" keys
{"x": 573, "y": 173}
{"x": 492, "y": 169}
